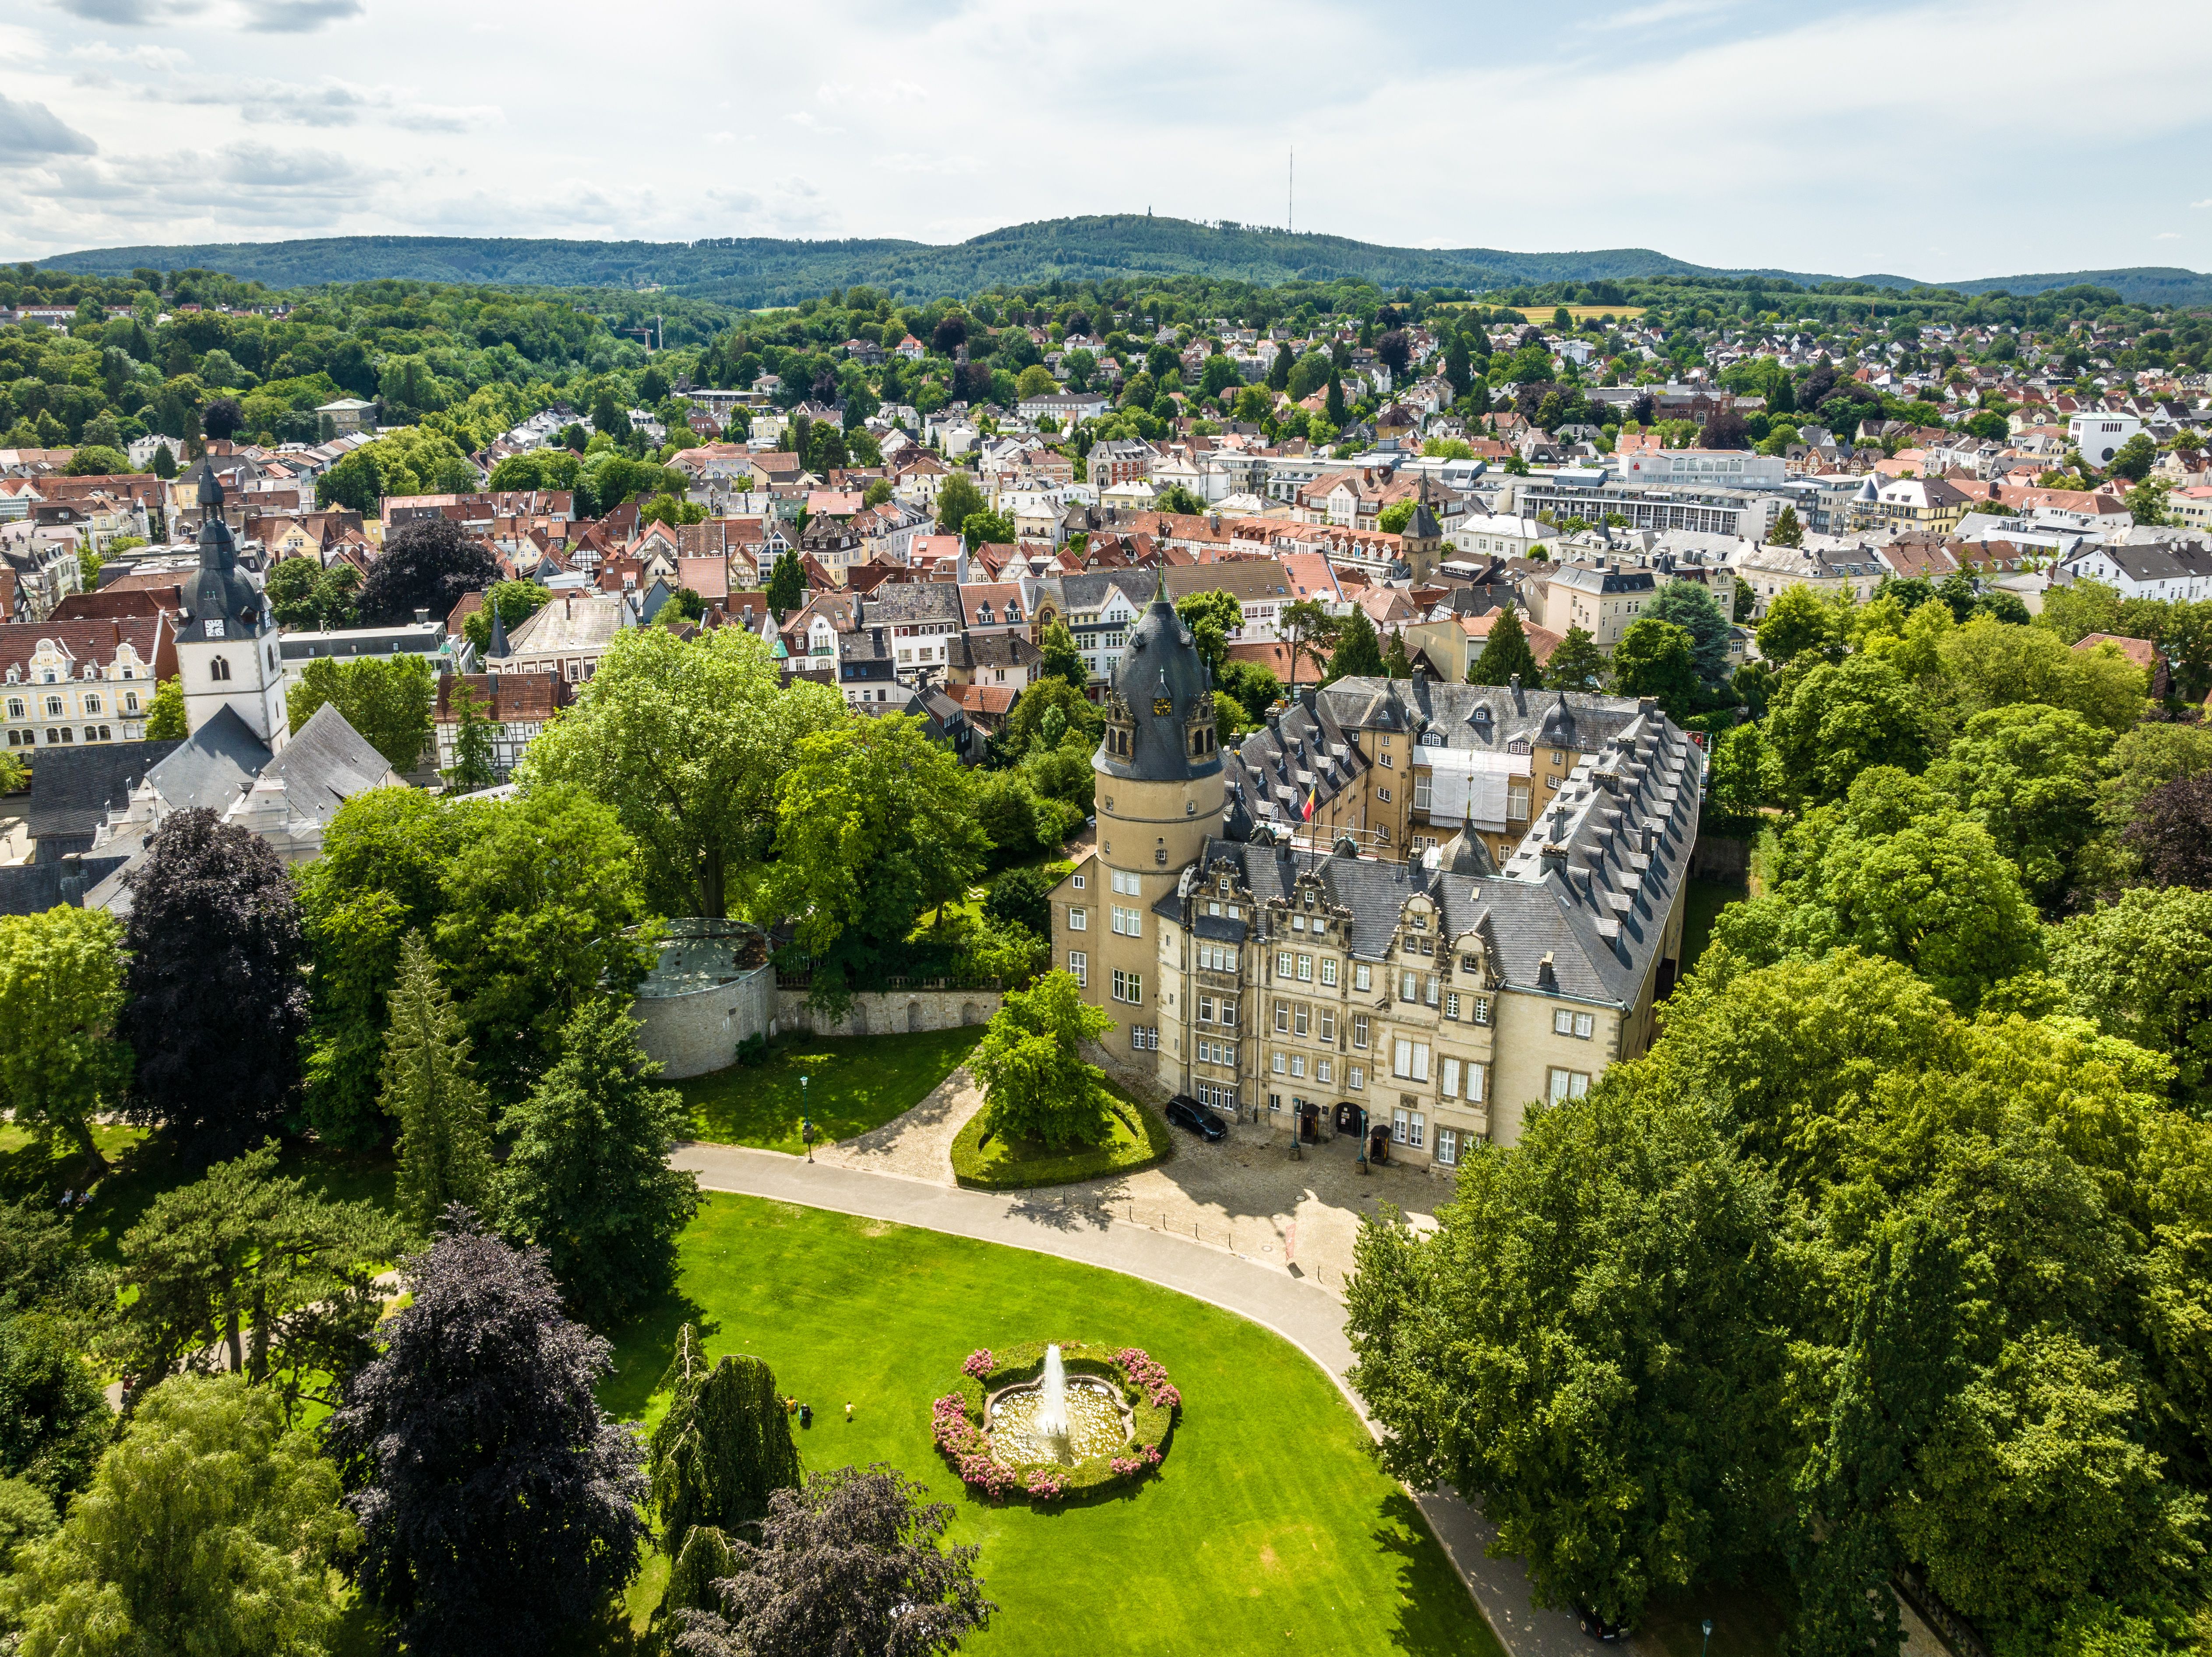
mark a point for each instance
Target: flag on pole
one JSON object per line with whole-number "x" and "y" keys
{"x": 1306, "y": 811}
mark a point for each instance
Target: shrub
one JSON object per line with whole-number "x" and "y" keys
{"x": 957, "y": 1419}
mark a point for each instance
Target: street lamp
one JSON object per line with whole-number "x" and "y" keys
{"x": 1708, "y": 1638}
{"x": 805, "y": 1121}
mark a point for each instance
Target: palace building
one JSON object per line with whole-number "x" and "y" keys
{"x": 1265, "y": 947}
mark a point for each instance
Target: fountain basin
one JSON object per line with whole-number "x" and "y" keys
{"x": 1014, "y": 1419}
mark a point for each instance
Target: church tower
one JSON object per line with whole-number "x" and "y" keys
{"x": 227, "y": 644}
{"x": 1160, "y": 794}
{"x": 1421, "y": 543}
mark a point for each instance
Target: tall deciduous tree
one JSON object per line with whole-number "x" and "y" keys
{"x": 430, "y": 1089}
{"x": 873, "y": 830}
{"x": 211, "y": 1528}
{"x": 2141, "y": 967}
{"x": 1311, "y": 632}
{"x": 165, "y": 713}
{"x": 498, "y": 1505}
{"x": 427, "y": 564}
{"x": 2027, "y": 773}
{"x": 1213, "y": 617}
{"x": 61, "y": 988}
{"x": 474, "y": 766}
{"x": 587, "y": 1177}
{"x": 722, "y": 1449}
{"x": 687, "y": 742}
{"x": 540, "y": 904}
{"x": 852, "y": 1562}
{"x": 1842, "y": 718}
{"x": 245, "y": 1270}
{"x": 388, "y": 703}
{"x": 787, "y": 585}
{"x": 214, "y": 1003}
{"x": 1036, "y": 1083}
{"x": 1656, "y": 658}
{"x": 2171, "y": 833}
{"x": 1062, "y": 661}
{"x": 1692, "y": 608}
{"x": 54, "y": 1419}
{"x": 958, "y": 500}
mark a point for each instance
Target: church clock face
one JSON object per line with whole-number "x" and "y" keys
{"x": 1163, "y": 706}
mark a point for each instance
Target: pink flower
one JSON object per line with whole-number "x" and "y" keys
{"x": 978, "y": 1363}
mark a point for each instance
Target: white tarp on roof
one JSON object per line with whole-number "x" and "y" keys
{"x": 1467, "y": 786}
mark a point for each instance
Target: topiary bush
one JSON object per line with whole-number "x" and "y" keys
{"x": 957, "y": 1420}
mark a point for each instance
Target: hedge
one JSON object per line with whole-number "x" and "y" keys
{"x": 989, "y": 1167}
{"x": 1154, "y": 1406}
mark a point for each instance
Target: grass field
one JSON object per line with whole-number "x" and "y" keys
{"x": 1269, "y": 1527}
{"x": 853, "y": 1084}
{"x": 1023, "y": 1164}
{"x": 1582, "y": 313}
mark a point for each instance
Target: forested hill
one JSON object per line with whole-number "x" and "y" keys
{"x": 757, "y": 271}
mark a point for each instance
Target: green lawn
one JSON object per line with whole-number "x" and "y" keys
{"x": 1268, "y": 1528}
{"x": 1023, "y": 1164}
{"x": 853, "y": 1084}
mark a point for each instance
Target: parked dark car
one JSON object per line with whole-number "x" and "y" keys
{"x": 1187, "y": 1112}
{"x": 1598, "y": 1629}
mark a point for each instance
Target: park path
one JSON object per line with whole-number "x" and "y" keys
{"x": 1308, "y": 1316}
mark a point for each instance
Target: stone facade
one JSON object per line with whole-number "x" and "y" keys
{"x": 891, "y": 1012}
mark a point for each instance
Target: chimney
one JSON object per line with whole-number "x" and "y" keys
{"x": 421, "y": 617}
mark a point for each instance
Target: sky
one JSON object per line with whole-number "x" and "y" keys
{"x": 1943, "y": 139}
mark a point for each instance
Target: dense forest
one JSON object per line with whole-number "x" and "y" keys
{"x": 761, "y": 271}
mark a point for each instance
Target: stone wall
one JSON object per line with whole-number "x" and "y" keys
{"x": 693, "y": 1034}
{"x": 890, "y": 1012}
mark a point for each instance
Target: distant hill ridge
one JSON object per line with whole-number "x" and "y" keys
{"x": 762, "y": 271}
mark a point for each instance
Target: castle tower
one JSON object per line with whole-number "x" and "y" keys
{"x": 1160, "y": 793}
{"x": 226, "y": 643}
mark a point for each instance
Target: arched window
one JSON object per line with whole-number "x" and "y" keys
{"x": 219, "y": 667}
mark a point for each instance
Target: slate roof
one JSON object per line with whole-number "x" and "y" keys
{"x": 325, "y": 765}
{"x": 1580, "y": 905}
{"x": 73, "y": 789}
{"x": 33, "y": 888}
{"x": 213, "y": 766}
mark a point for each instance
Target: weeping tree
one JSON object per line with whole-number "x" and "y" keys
{"x": 724, "y": 1444}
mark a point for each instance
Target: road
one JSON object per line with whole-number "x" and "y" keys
{"x": 1306, "y": 1316}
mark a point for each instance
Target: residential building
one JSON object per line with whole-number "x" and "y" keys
{"x": 517, "y": 705}
{"x": 569, "y": 635}
{"x": 72, "y": 682}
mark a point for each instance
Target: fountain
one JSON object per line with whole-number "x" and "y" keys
{"x": 1052, "y": 1397}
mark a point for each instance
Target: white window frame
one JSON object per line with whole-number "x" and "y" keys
{"x": 1078, "y": 919}
{"x": 1567, "y": 1084}
{"x": 1078, "y": 966}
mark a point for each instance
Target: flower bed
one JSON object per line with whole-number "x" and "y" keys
{"x": 958, "y": 1422}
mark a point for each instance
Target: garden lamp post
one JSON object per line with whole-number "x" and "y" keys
{"x": 1704, "y": 1648}
{"x": 805, "y": 1121}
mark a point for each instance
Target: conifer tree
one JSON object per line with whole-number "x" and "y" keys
{"x": 787, "y": 585}
{"x": 430, "y": 1087}
{"x": 1505, "y": 653}
{"x": 1787, "y": 531}
{"x": 1358, "y": 651}
{"x": 1395, "y": 663}
{"x": 1333, "y": 405}
{"x": 473, "y": 766}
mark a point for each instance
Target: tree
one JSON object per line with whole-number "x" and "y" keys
{"x": 787, "y": 585}
{"x": 54, "y": 1419}
{"x": 540, "y": 904}
{"x": 873, "y": 830}
{"x": 61, "y": 987}
{"x": 252, "y": 1272}
{"x": 722, "y": 1449}
{"x": 1657, "y": 658}
{"x": 1023, "y": 897}
{"x": 387, "y": 702}
{"x": 291, "y": 589}
{"x": 2136, "y": 458}
{"x": 1787, "y": 530}
{"x": 957, "y": 500}
{"x": 1576, "y": 664}
{"x": 42, "y": 1269}
{"x": 430, "y": 1089}
{"x": 1991, "y": 663}
{"x": 165, "y": 715}
{"x": 1838, "y": 720}
{"x": 1333, "y": 405}
{"x": 2171, "y": 834}
{"x": 214, "y": 1005}
{"x": 2141, "y": 965}
{"x": 1724, "y": 429}
{"x": 1505, "y": 653}
{"x": 474, "y": 766}
{"x": 2028, "y": 773}
{"x": 1586, "y": 1347}
{"x": 1396, "y": 663}
{"x": 1797, "y": 623}
{"x": 1394, "y": 518}
{"x": 1036, "y": 1083}
{"x": 852, "y": 1562}
{"x": 1691, "y": 607}
{"x": 1740, "y": 781}
{"x": 1311, "y": 632}
{"x": 1459, "y": 367}
{"x": 427, "y": 564}
{"x": 688, "y": 740}
{"x": 1061, "y": 660}
{"x": 588, "y": 1177}
{"x": 498, "y": 1505}
{"x": 165, "y": 462}
{"x": 516, "y": 601}
{"x": 1357, "y": 653}
{"x": 211, "y": 1528}
{"x": 979, "y": 528}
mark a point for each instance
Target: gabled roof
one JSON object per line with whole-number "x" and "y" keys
{"x": 326, "y": 764}
{"x": 73, "y": 789}
{"x": 213, "y": 766}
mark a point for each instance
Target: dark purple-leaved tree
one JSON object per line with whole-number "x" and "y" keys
{"x": 428, "y": 563}
{"x": 848, "y": 1564}
{"x": 498, "y": 1507}
{"x": 2172, "y": 832}
{"x": 214, "y": 1002}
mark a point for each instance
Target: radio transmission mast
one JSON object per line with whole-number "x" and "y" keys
{"x": 1291, "y": 206}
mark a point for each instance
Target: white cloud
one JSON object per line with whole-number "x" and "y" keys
{"x": 2167, "y": 235}
{"x": 28, "y": 131}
